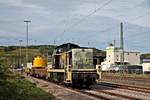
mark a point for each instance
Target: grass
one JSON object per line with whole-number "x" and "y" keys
{"x": 15, "y": 89}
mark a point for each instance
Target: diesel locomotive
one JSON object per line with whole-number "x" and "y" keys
{"x": 71, "y": 64}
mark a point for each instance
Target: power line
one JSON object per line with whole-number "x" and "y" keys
{"x": 81, "y": 20}
{"x": 95, "y": 35}
{"x": 139, "y": 17}
{"x": 85, "y": 17}
{"x": 90, "y": 14}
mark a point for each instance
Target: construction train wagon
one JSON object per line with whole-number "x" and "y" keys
{"x": 39, "y": 67}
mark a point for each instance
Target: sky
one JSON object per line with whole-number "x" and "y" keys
{"x": 93, "y": 23}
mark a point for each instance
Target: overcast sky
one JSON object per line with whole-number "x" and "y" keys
{"x": 77, "y": 21}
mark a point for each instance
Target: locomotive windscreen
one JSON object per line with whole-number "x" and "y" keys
{"x": 82, "y": 58}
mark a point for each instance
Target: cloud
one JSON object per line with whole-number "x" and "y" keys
{"x": 50, "y": 18}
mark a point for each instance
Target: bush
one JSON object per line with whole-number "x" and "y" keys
{"x": 5, "y": 73}
{"x": 12, "y": 88}
{"x": 22, "y": 90}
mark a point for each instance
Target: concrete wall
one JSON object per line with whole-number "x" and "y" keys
{"x": 132, "y": 57}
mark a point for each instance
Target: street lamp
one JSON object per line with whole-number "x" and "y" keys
{"x": 20, "y": 52}
{"x": 27, "y": 21}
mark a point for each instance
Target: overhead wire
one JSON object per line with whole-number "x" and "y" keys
{"x": 141, "y": 16}
{"x": 137, "y": 18}
{"x": 98, "y": 9}
{"x": 85, "y": 17}
{"x": 138, "y": 34}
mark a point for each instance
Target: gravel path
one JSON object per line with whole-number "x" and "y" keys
{"x": 60, "y": 92}
{"x": 63, "y": 93}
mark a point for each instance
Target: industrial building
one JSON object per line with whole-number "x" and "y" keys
{"x": 113, "y": 58}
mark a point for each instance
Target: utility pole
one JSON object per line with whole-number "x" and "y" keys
{"x": 47, "y": 52}
{"x": 27, "y": 21}
{"x": 88, "y": 43}
{"x": 35, "y": 41}
{"x": 54, "y": 42}
{"x": 114, "y": 43}
{"x": 114, "y": 51}
{"x": 20, "y": 52}
{"x": 121, "y": 44}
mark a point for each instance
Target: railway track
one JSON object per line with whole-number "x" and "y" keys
{"x": 83, "y": 91}
{"x": 129, "y": 87}
{"x": 124, "y": 91}
{"x": 118, "y": 95}
{"x": 109, "y": 95}
{"x": 126, "y": 77}
{"x": 128, "y": 80}
{"x": 94, "y": 94}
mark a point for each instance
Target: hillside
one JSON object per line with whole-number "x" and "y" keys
{"x": 11, "y": 55}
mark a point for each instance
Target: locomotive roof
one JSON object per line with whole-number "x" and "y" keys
{"x": 65, "y": 47}
{"x": 68, "y": 46}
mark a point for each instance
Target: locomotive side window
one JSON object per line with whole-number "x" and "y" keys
{"x": 70, "y": 58}
{"x": 95, "y": 62}
{"x": 57, "y": 61}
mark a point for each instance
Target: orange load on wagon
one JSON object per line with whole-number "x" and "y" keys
{"x": 39, "y": 62}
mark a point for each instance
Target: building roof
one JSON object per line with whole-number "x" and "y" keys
{"x": 118, "y": 49}
{"x": 68, "y": 46}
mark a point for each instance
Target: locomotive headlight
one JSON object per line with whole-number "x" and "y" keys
{"x": 69, "y": 68}
{"x": 98, "y": 67}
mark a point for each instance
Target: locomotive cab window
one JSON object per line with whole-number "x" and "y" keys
{"x": 57, "y": 61}
{"x": 70, "y": 58}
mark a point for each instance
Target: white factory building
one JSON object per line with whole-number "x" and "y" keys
{"x": 113, "y": 58}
